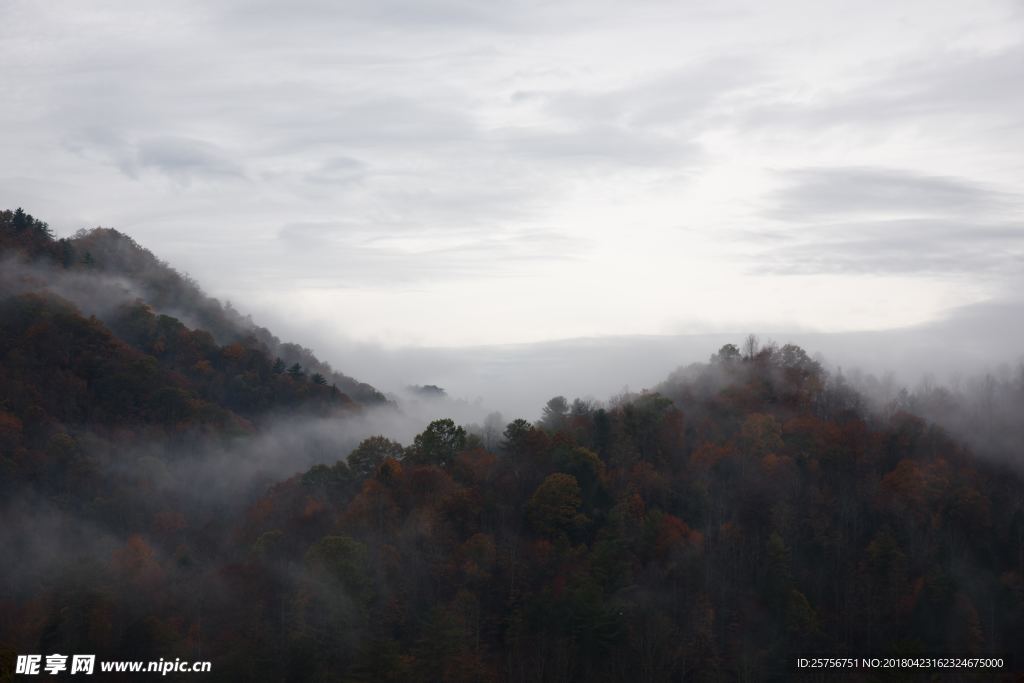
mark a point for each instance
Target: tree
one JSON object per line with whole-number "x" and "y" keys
{"x": 370, "y": 453}
{"x": 318, "y": 379}
{"x": 43, "y": 231}
{"x": 554, "y": 507}
{"x": 516, "y": 434}
{"x": 21, "y": 220}
{"x": 296, "y": 371}
{"x": 438, "y": 443}
{"x": 554, "y": 414}
{"x": 428, "y": 391}
{"x": 750, "y": 347}
{"x": 760, "y": 434}
{"x": 343, "y": 560}
{"x": 66, "y": 252}
{"x": 279, "y": 366}
{"x": 727, "y": 354}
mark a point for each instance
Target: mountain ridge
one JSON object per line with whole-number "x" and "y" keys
{"x": 115, "y": 259}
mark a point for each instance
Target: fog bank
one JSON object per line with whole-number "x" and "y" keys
{"x": 518, "y": 379}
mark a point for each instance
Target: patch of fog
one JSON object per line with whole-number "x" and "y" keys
{"x": 92, "y": 293}
{"x": 517, "y": 380}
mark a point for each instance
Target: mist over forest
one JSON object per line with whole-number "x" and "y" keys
{"x": 180, "y": 483}
{"x": 432, "y": 341}
{"x": 970, "y": 343}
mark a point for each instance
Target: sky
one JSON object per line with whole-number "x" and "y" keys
{"x": 447, "y": 173}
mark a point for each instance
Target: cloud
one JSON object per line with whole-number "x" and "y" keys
{"x": 185, "y": 158}
{"x": 371, "y": 144}
{"x": 338, "y": 254}
{"x": 869, "y": 221}
{"x": 671, "y": 98}
{"x": 180, "y": 158}
{"x": 916, "y": 246}
{"x": 609, "y": 146}
{"x": 963, "y": 84}
{"x": 651, "y": 122}
{"x": 817, "y": 193}
{"x": 338, "y": 171}
{"x": 395, "y": 122}
{"x": 445, "y": 14}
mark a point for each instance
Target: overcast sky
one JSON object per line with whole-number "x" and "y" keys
{"x": 456, "y": 172}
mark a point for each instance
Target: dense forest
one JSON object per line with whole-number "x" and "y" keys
{"x": 747, "y": 511}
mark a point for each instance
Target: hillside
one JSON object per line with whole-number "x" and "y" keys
{"x": 749, "y": 514}
{"x": 745, "y": 512}
{"x": 102, "y": 271}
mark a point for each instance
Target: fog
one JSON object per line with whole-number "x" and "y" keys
{"x": 98, "y": 294}
{"x": 518, "y": 379}
{"x": 211, "y": 478}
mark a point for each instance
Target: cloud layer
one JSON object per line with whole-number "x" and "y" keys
{"x": 445, "y": 172}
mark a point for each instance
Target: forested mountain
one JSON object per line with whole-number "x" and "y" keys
{"x": 747, "y": 511}
{"x": 106, "y": 273}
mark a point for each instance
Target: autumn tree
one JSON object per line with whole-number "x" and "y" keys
{"x": 553, "y": 509}
{"x": 370, "y": 453}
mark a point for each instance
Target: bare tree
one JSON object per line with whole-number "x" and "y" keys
{"x": 750, "y": 346}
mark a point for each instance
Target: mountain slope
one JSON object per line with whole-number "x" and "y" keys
{"x": 101, "y": 270}
{"x": 86, "y": 359}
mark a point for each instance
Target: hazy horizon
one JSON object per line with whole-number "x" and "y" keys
{"x": 517, "y": 379}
